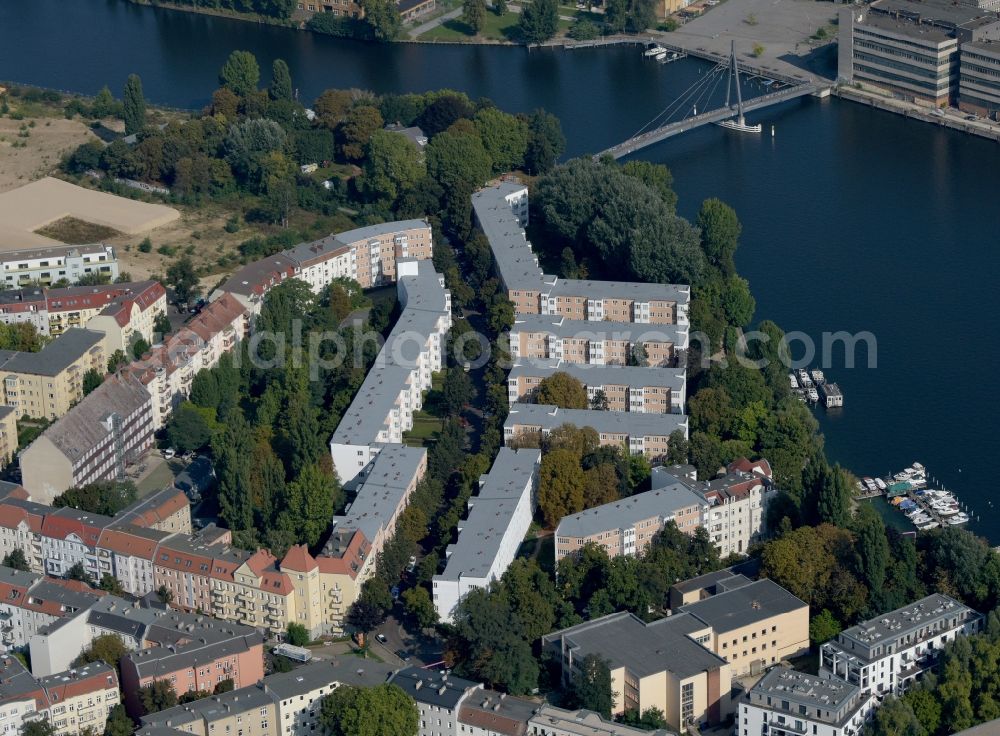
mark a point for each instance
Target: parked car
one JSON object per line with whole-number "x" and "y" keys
{"x": 380, "y": 638}
{"x": 403, "y": 655}
{"x": 169, "y": 453}
{"x": 412, "y": 564}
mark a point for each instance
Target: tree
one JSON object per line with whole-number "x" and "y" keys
{"x": 562, "y": 390}
{"x": 187, "y": 429}
{"x": 834, "y": 502}
{"x": 420, "y": 606}
{"x": 591, "y": 686}
{"x": 111, "y": 584}
{"x": 823, "y": 627}
{"x": 107, "y": 648}
{"x": 297, "y": 635}
{"x": 156, "y": 696}
{"x": 546, "y": 142}
{"x": 38, "y": 727}
{"x": 539, "y": 21}
{"x": 117, "y": 360}
{"x": 139, "y": 348}
{"x": 118, "y": 723}
{"x": 393, "y": 164}
{"x": 500, "y": 7}
{"x": 182, "y": 278}
{"x": 600, "y": 401}
{"x": 281, "y": 81}
{"x": 134, "y": 105}
{"x": 331, "y": 107}
{"x": 309, "y": 503}
{"x": 383, "y": 710}
{"x": 240, "y": 74}
{"x": 474, "y": 14}
{"x": 106, "y": 497}
{"x": 91, "y": 380}
{"x": 720, "y": 233}
{"x": 457, "y": 391}
{"x": 382, "y": 18}
{"x": 364, "y": 617}
{"x": 105, "y": 105}
{"x": 356, "y": 131}
{"x": 458, "y": 161}
{"x": 15, "y": 559}
{"x": 561, "y": 486}
{"x": 655, "y": 176}
{"x": 165, "y": 595}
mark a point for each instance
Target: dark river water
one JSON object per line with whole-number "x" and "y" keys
{"x": 853, "y": 220}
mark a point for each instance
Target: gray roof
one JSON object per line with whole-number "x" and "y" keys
{"x": 382, "y": 490}
{"x": 433, "y": 687}
{"x": 425, "y": 301}
{"x": 55, "y": 357}
{"x": 927, "y": 34}
{"x": 331, "y": 245}
{"x": 15, "y": 680}
{"x": 83, "y": 428}
{"x": 633, "y": 424}
{"x": 57, "y": 251}
{"x": 640, "y": 291}
{"x": 585, "y": 723}
{"x": 644, "y": 649}
{"x": 991, "y": 728}
{"x": 827, "y": 701}
{"x": 910, "y": 618}
{"x": 621, "y": 514}
{"x": 413, "y": 133}
{"x": 579, "y": 328}
{"x": 938, "y": 13}
{"x": 491, "y": 512}
{"x": 321, "y": 673}
{"x": 212, "y": 708}
{"x": 18, "y": 578}
{"x": 743, "y": 604}
{"x": 515, "y": 261}
{"x": 602, "y": 375}
{"x": 499, "y": 713}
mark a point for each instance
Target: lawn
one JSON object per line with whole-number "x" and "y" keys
{"x": 497, "y": 28}
{"x": 425, "y": 430}
{"x": 73, "y": 231}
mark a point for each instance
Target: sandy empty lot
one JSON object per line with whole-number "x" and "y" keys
{"x": 42, "y": 202}
{"x": 43, "y": 147}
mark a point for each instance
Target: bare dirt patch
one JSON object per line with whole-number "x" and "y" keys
{"x": 44, "y": 145}
{"x": 73, "y": 231}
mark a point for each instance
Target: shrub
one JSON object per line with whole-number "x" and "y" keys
{"x": 146, "y": 246}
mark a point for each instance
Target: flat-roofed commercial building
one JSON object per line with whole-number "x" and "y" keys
{"x": 639, "y": 434}
{"x": 788, "y": 702}
{"x": 488, "y": 539}
{"x": 979, "y": 83}
{"x": 548, "y": 337}
{"x": 627, "y": 526}
{"x": 664, "y": 664}
{"x": 886, "y": 654}
{"x": 383, "y": 408}
{"x": 625, "y": 388}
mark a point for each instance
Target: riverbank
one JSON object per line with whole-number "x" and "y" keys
{"x": 949, "y": 118}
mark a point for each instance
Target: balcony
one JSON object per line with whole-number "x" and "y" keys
{"x": 779, "y": 729}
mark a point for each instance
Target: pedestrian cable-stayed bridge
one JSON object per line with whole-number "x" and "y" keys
{"x": 683, "y": 113}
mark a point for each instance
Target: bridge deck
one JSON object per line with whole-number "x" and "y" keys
{"x": 713, "y": 116}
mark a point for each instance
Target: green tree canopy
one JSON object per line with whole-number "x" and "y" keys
{"x": 383, "y": 710}
{"x": 156, "y": 696}
{"x": 393, "y": 164}
{"x": 16, "y": 560}
{"x": 106, "y": 497}
{"x": 539, "y": 21}
{"x": 562, "y": 390}
{"x": 281, "y": 81}
{"x": 240, "y": 74}
{"x": 134, "y": 105}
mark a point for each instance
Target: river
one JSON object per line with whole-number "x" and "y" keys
{"x": 853, "y": 219}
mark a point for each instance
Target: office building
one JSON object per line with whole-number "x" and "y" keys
{"x": 979, "y": 82}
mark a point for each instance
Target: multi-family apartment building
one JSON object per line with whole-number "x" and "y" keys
{"x": 47, "y": 383}
{"x": 165, "y": 510}
{"x": 627, "y": 526}
{"x": 249, "y": 711}
{"x": 551, "y": 721}
{"x": 108, "y": 430}
{"x": 737, "y": 502}
{"x": 51, "y": 264}
{"x": 382, "y": 409}
{"x": 911, "y": 49}
{"x": 121, "y": 311}
{"x": 35, "y": 605}
{"x": 786, "y": 701}
{"x": 488, "y": 539}
{"x": 547, "y": 337}
{"x": 439, "y": 697}
{"x": 8, "y": 434}
{"x": 755, "y": 623}
{"x": 884, "y": 655}
{"x": 979, "y": 78}
{"x": 367, "y": 255}
{"x": 637, "y": 434}
{"x": 168, "y": 370}
{"x": 623, "y": 388}
{"x": 73, "y": 702}
{"x": 664, "y": 664}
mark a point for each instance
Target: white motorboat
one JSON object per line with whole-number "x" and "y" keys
{"x": 958, "y": 519}
{"x": 793, "y": 380}
{"x": 870, "y": 484}
{"x": 880, "y": 484}
{"x": 928, "y": 525}
{"x": 661, "y": 56}
{"x": 817, "y": 377}
{"x": 655, "y": 51}
{"x": 950, "y": 511}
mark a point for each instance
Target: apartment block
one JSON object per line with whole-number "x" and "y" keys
{"x": 165, "y": 510}
{"x": 47, "y": 383}
{"x": 120, "y": 311}
{"x": 367, "y": 255}
{"x": 168, "y": 370}
{"x": 499, "y": 516}
{"x": 52, "y": 264}
{"x": 624, "y": 388}
{"x": 35, "y": 605}
{"x": 249, "y": 711}
{"x": 8, "y": 434}
{"x": 755, "y": 623}
{"x": 490, "y": 713}
{"x": 627, "y": 526}
{"x": 439, "y": 697}
{"x": 548, "y": 337}
{"x": 552, "y": 721}
{"x": 786, "y": 701}
{"x": 885, "y": 655}
{"x": 383, "y": 408}
{"x": 664, "y": 664}
{"x": 127, "y": 552}
{"x": 979, "y": 80}
{"x": 107, "y": 431}
{"x": 737, "y": 502}
{"x": 638, "y": 434}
